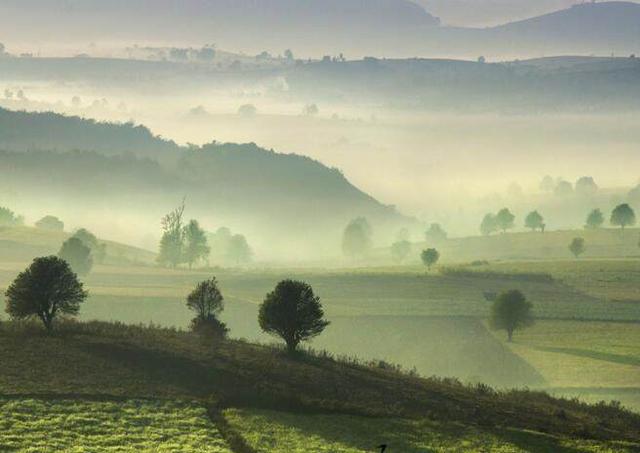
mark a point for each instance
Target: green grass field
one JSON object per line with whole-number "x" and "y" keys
{"x": 57, "y": 425}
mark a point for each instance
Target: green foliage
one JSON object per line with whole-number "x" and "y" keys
{"x": 47, "y": 289}
{"x": 623, "y": 216}
{"x": 9, "y": 218}
{"x": 430, "y": 257}
{"x": 577, "y": 247}
{"x": 228, "y": 248}
{"x": 595, "y": 220}
{"x": 511, "y": 311}
{"x": 489, "y": 224}
{"x": 534, "y": 221}
{"x": 435, "y": 233}
{"x": 505, "y": 219}
{"x": 50, "y": 223}
{"x": 172, "y": 241}
{"x": 586, "y": 185}
{"x": 98, "y": 249}
{"x": 356, "y": 239}
{"x": 207, "y": 302}
{"x": 400, "y": 250}
{"x": 78, "y": 255}
{"x": 293, "y": 312}
{"x": 126, "y": 426}
{"x": 196, "y": 248}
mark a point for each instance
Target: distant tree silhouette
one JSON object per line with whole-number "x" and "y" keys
{"x": 9, "y": 218}
{"x": 577, "y": 247}
{"x": 195, "y": 247}
{"x": 311, "y": 110}
{"x": 356, "y": 239}
{"x": 505, "y": 219}
{"x": 47, "y": 289}
{"x": 586, "y": 186}
{"x": 247, "y": 110}
{"x": 430, "y": 257}
{"x": 98, "y": 249}
{"x": 207, "y": 302}
{"x": 293, "y": 312}
{"x": 50, "y": 223}
{"x": 238, "y": 250}
{"x": 436, "y": 233}
{"x": 400, "y": 250}
{"x": 511, "y": 311}
{"x": 623, "y": 216}
{"x": 489, "y": 225}
{"x": 534, "y": 221}
{"x": 77, "y": 254}
{"x": 595, "y": 220}
{"x": 172, "y": 240}
{"x": 563, "y": 188}
{"x": 547, "y": 184}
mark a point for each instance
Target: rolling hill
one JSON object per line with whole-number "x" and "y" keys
{"x": 79, "y": 167}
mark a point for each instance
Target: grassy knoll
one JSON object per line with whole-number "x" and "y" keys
{"x": 279, "y": 432}
{"x": 97, "y": 360}
{"x": 39, "y": 425}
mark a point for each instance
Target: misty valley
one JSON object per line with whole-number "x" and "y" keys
{"x": 319, "y": 226}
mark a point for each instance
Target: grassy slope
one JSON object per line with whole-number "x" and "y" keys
{"x": 99, "y": 360}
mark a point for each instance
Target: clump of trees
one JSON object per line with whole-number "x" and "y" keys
{"x": 180, "y": 243}
{"x": 623, "y": 216}
{"x": 504, "y": 220}
{"x": 77, "y": 255}
{"x": 9, "y": 218}
{"x": 51, "y": 223}
{"x": 577, "y": 247}
{"x": 430, "y": 257}
{"x": 98, "y": 249}
{"x": 534, "y": 221}
{"x": 400, "y": 250}
{"x": 510, "y": 312}
{"x": 292, "y": 312}
{"x": 207, "y": 302}
{"x": 435, "y": 233}
{"x": 229, "y": 248}
{"x": 356, "y": 239}
{"x": 595, "y": 220}
{"x": 47, "y": 289}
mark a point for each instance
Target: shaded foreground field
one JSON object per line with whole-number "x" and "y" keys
{"x": 67, "y": 425}
{"x": 100, "y": 375}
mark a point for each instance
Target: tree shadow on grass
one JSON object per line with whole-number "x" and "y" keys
{"x": 606, "y": 357}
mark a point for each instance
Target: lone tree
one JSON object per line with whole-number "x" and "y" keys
{"x": 534, "y": 221}
{"x": 577, "y": 247}
{"x": 50, "y": 223}
{"x": 207, "y": 303}
{"x": 195, "y": 248}
{"x": 505, "y": 220}
{"x": 400, "y": 250}
{"x": 430, "y": 257}
{"x": 238, "y": 250}
{"x": 489, "y": 225}
{"x": 356, "y": 239}
{"x": 172, "y": 239}
{"x": 595, "y": 220}
{"x": 436, "y": 233}
{"x": 511, "y": 311}
{"x": 292, "y": 312}
{"x": 98, "y": 249}
{"x": 77, "y": 254}
{"x": 46, "y": 289}
{"x": 623, "y": 216}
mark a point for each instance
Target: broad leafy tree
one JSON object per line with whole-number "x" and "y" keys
{"x": 430, "y": 257}
{"x": 195, "y": 247}
{"x": 505, "y": 220}
{"x": 77, "y": 254}
{"x": 356, "y": 239}
{"x": 9, "y": 218}
{"x": 292, "y": 312}
{"x": 623, "y": 216}
{"x": 48, "y": 288}
{"x": 577, "y": 247}
{"x": 98, "y": 249}
{"x": 435, "y": 233}
{"x": 534, "y": 221}
{"x": 586, "y": 186}
{"x": 595, "y": 220}
{"x": 511, "y": 311}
